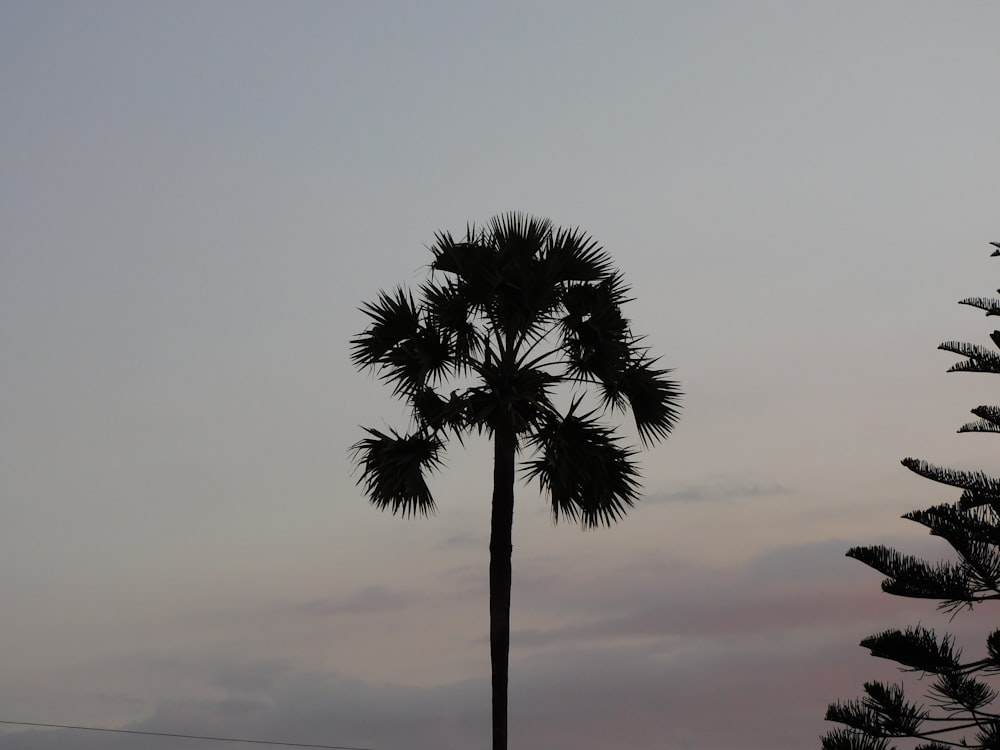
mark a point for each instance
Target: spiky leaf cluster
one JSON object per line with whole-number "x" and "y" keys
{"x": 959, "y": 711}
{"x": 511, "y": 312}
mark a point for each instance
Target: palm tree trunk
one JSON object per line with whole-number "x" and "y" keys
{"x": 501, "y": 549}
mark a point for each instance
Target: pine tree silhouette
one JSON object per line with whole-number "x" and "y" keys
{"x": 959, "y": 710}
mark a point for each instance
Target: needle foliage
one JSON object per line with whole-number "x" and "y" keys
{"x": 956, "y": 708}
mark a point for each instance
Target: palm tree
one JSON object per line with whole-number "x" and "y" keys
{"x": 510, "y": 313}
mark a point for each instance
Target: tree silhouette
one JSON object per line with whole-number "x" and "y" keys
{"x": 511, "y": 313}
{"x": 959, "y": 712}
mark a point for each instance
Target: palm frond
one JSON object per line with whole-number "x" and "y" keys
{"x": 395, "y": 318}
{"x": 528, "y": 290}
{"x": 525, "y": 302}
{"x": 406, "y": 353}
{"x": 422, "y": 359}
{"x": 450, "y": 311}
{"x": 438, "y": 413}
{"x": 584, "y": 301}
{"x": 595, "y": 334}
{"x": 499, "y": 274}
{"x": 572, "y": 255}
{"x": 472, "y": 263}
{"x": 523, "y": 394}
{"x": 393, "y": 467}
{"x": 588, "y": 475}
{"x": 519, "y": 236}
{"x": 653, "y": 397}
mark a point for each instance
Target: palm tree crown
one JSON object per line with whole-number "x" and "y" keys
{"x": 516, "y": 308}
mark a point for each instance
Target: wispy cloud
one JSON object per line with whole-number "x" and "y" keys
{"x": 716, "y": 491}
{"x": 802, "y": 588}
{"x": 366, "y": 601}
{"x": 645, "y": 655}
{"x": 770, "y": 691}
{"x": 463, "y": 540}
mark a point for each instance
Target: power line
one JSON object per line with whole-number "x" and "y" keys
{"x": 183, "y": 736}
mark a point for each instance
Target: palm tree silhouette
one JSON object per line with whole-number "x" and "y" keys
{"x": 511, "y": 313}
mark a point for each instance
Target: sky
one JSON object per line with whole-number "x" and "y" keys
{"x": 196, "y": 197}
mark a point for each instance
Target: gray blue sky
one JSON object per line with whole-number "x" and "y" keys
{"x": 195, "y": 198}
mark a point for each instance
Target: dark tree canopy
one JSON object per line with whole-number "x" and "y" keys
{"x": 512, "y": 311}
{"x": 957, "y": 710}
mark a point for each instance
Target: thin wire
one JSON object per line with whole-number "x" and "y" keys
{"x": 182, "y": 736}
